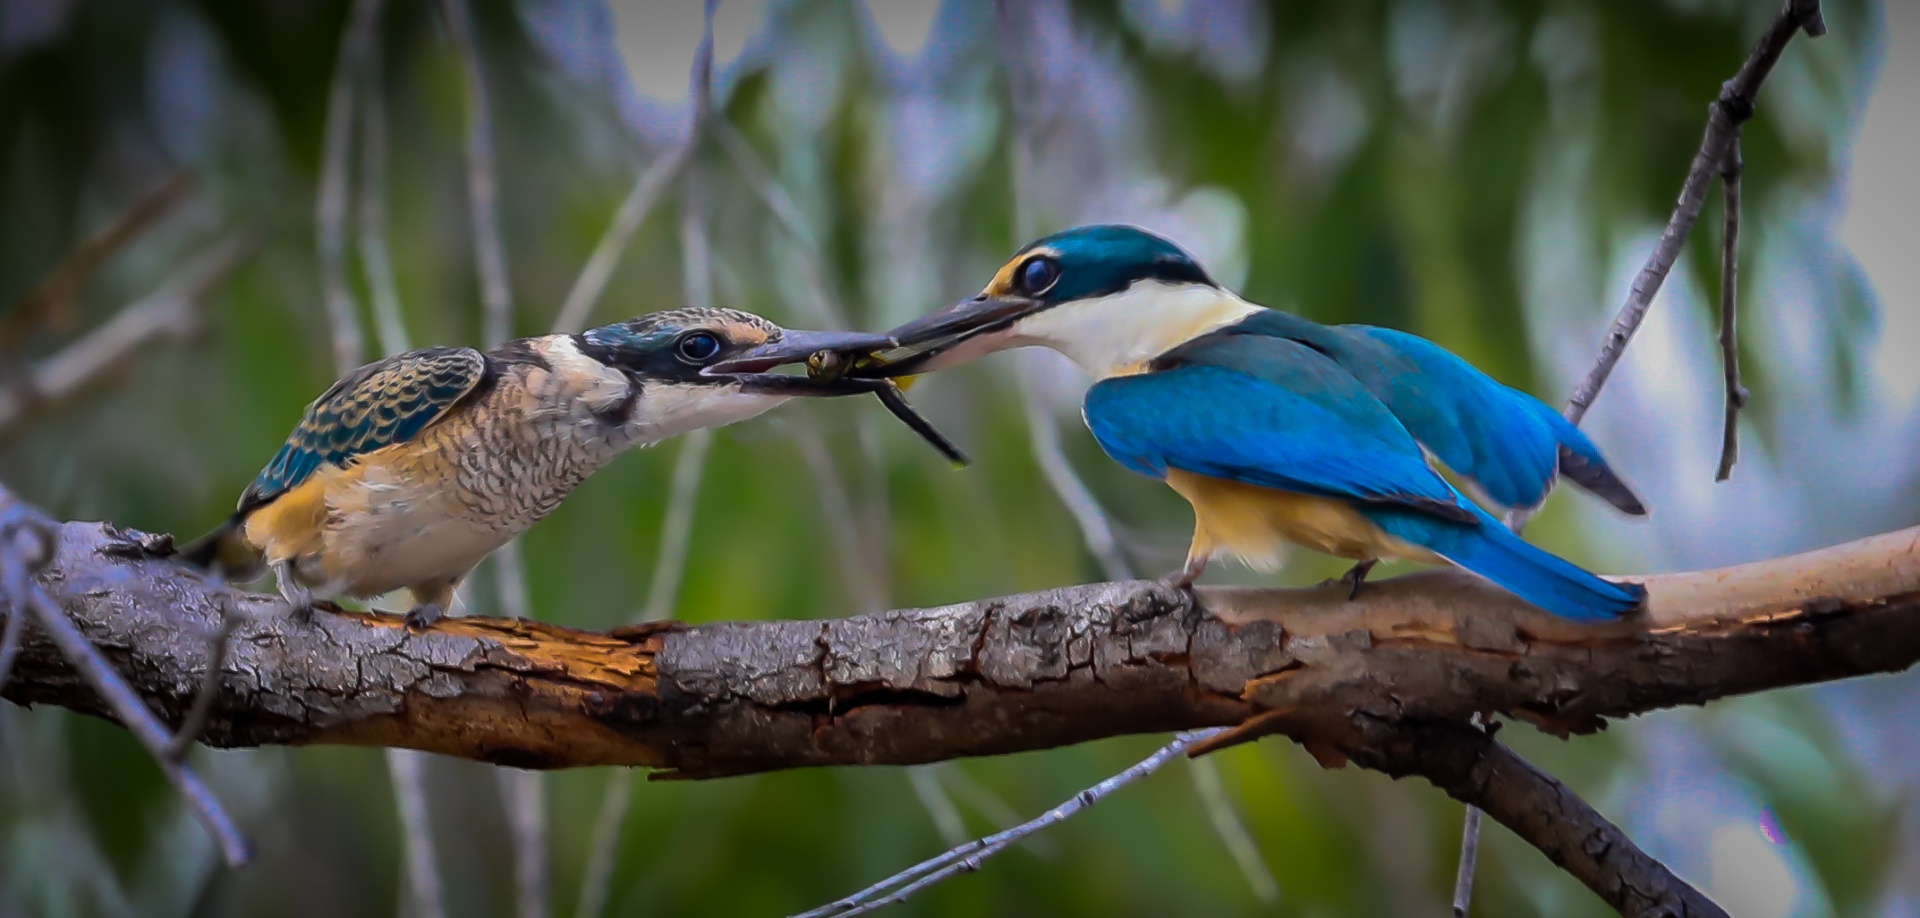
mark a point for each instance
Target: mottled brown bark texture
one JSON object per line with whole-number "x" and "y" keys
{"x": 1392, "y": 680}
{"x": 1001, "y": 675}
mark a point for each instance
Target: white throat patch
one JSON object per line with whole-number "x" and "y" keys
{"x": 667, "y": 409}
{"x": 1117, "y": 334}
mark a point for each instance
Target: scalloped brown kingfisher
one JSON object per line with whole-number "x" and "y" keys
{"x": 410, "y": 470}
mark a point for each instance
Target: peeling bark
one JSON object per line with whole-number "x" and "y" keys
{"x": 1003, "y": 675}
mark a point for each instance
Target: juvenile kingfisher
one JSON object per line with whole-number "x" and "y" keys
{"x": 1277, "y": 429}
{"x": 410, "y": 470}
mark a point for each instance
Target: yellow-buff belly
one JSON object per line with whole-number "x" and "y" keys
{"x": 1254, "y": 524}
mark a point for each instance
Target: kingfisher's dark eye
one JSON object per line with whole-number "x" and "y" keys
{"x": 698, "y": 347}
{"x": 1038, "y": 275}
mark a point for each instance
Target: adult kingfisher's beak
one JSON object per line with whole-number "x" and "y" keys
{"x": 941, "y": 333}
{"x": 752, "y": 367}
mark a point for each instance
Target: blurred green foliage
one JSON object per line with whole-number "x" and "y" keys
{"x": 1390, "y": 162}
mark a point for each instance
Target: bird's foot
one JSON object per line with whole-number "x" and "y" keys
{"x": 1183, "y": 578}
{"x": 132, "y": 543}
{"x": 299, "y": 599}
{"x": 1355, "y": 578}
{"x": 424, "y": 614}
{"x": 298, "y": 602}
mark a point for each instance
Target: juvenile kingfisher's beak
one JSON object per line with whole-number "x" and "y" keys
{"x": 752, "y": 368}
{"x": 928, "y": 337}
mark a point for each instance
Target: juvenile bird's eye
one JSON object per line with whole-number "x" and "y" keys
{"x": 1039, "y": 275}
{"x": 698, "y": 347}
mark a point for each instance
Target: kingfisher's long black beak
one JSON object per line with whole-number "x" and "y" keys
{"x": 752, "y": 368}
{"x": 937, "y": 333}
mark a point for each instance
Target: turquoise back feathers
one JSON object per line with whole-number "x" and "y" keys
{"x": 383, "y": 403}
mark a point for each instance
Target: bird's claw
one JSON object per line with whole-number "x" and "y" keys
{"x": 1182, "y": 579}
{"x": 1354, "y": 578}
{"x": 422, "y": 615}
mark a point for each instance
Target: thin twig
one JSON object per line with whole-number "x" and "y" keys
{"x": 647, "y": 190}
{"x": 1729, "y": 338}
{"x": 489, "y": 254}
{"x": 1233, "y": 833}
{"x": 376, "y": 257}
{"x": 408, "y": 770}
{"x": 967, "y": 858}
{"x": 669, "y": 566}
{"x": 110, "y": 349}
{"x": 336, "y": 164}
{"x": 195, "y": 721}
{"x": 1719, "y": 152}
{"x": 525, "y": 793}
{"x": 50, "y": 299}
{"x": 820, "y": 299}
{"x": 603, "y": 847}
{"x": 128, "y": 708}
{"x": 523, "y": 790}
{"x": 1043, "y": 432}
{"x": 1469, "y": 859}
{"x": 1724, "y": 117}
{"x": 840, "y": 520}
{"x": 683, "y": 495}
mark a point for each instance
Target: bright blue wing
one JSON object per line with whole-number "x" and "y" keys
{"x": 1504, "y": 440}
{"x": 1268, "y": 412}
{"x": 385, "y": 402}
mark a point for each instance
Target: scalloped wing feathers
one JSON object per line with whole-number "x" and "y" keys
{"x": 383, "y": 403}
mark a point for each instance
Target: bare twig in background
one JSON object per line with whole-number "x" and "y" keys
{"x": 525, "y": 794}
{"x": 669, "y": 566}
{"x": 336, "y": 165}
{"x": 603, "y": 848}
{"x": 523, "y": 791}
{"x": 50, "y": 299}
{"x": 1095, "y": 528}
{"x": 489, "y": 254}
{"x": 1043, "y": 436}
{"x": 423, "y": 894}
{"x": 112, "y": 348}
{"x": 1469, "y": 860}
{"x": 196, "y": 720}
{"x": 1719, "y": 153}
{"x": 647, "y": 190}
{"x": 1470, "y": 766}
{"x": 406, "y": 769}
{"x": 676, "y": 526}
{"x": 840, "y": 520}
{"x": 759, "y": 179}
{"x": 23, "y": 596}
{"x": 1724, "y": 117}
{"x": 1729, "y": 300}
{"x": 967, "y": 858}
{"x": 376, "y": 258}
{"x": 1212, "y": 792}
{"x": 683, "y": 492}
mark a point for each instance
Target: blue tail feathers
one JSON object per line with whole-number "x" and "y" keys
{"x": 1531, "y": 573}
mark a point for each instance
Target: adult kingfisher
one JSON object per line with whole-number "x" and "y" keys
{"x": 410, "y": 470}
{"x": 1277, "y": 429}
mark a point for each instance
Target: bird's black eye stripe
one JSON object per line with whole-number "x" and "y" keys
{"x": 1038, "y": 275}
{"x": 697, "y": 347}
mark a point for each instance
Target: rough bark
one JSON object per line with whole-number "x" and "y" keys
{"x": 1022, "y": 672}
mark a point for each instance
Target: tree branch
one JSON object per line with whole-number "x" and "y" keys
{"x": 1026, "y": 672}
